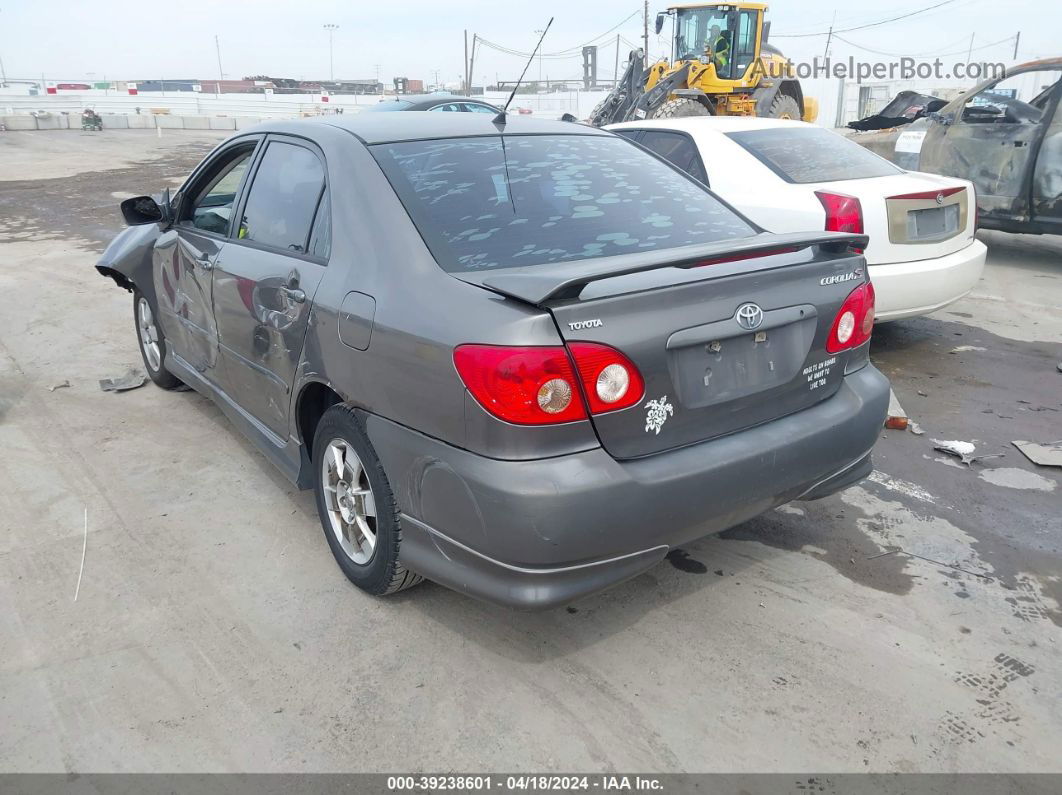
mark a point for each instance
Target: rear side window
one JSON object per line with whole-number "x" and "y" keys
{"x": 524, "y": 200}
{"x": 283, "y": 199}
{"x": 812, "y": 154}
{"x": 677, "y": 149}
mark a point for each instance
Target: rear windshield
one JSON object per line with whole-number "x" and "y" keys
{"x": 524, "y": 200}
{"x": 812, "y": 154}
{"x": 390, "y": 104}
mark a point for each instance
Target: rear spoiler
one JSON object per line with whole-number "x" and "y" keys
{"x": 561, "y": 280}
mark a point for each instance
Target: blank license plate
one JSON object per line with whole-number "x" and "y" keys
{"x": 934, "y": 223}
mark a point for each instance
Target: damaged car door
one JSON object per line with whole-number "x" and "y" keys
{"x": 186, "y": 254}
{"x": 992, "y": 138}
{"x": 264, "y": 284}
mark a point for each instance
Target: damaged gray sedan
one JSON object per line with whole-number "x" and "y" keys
{"x": 522, "y": 359}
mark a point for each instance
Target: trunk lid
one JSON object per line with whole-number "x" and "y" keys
{"x": 721, "y": 346}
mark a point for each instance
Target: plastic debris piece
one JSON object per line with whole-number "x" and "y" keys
{"x": 915, "y": 428}
{"x": 62, "y": 385}
{"x": 1045, "y": 455}
{"x": 964, "y": 451}
{"x": 132, "y": 379}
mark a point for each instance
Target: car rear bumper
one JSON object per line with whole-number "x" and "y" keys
{"x": 538, "y": 534}
{"x": 909, "y": 289}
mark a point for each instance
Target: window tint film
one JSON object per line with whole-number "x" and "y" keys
{"x": 212, "y": 208}
{"x": 511, "y": 201}
{"x": 677, "y": 149}
{"x": 812, "y": 154}
{"x": 283, "y": 198}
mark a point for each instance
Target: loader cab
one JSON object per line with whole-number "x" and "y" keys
{"x": 724, "y": 35}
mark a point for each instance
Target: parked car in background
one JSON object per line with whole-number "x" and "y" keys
{"x": 790, "y": 176}
{"x": 523, "y": 366}
{"x": 434, "y": 102}
{"x": 1005, "y": 136}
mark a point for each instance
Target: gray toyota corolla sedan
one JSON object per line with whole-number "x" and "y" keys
{"x": 521, "y": 359}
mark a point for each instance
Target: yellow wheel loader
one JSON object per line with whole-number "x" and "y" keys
{"x": 721, "y": 65}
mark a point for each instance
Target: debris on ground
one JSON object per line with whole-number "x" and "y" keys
{"x": 63, "y": 385}
{"x": 964, "y": 451}
{"x": 915, "y": 428}
{"x": 132, "y": 379}
{"x": 1045, "y": 455}
{"x": 966, "y": 348}
{"x": 896, "y": 419}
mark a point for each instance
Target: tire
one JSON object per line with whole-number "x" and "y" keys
{"x": 785, "y": 107}
{"x": 373, "y": 567}
{"x": 679, "y": 108}
{"x": 152, "y": 343}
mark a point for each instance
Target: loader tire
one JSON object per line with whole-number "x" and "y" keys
{"x": 785, "y": 107}
{"x": 680, "y": 108}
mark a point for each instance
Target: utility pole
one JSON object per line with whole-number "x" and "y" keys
{"x": 471, "y": 65}
{"x": 645, "y": 30}
{"x": 331, "y": 62}
{"x": 1017, "y": 38}
{"x": 615, "y": 70}
{"x": 539, "y": 33}
{"x": 3, "y": 77}
{"x": 217, "y": 47}
{"x": 467, "y": 94}
{"x": 969, "y": 52}
{"x": 829, "y": 36}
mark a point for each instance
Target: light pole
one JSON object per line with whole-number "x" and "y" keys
{"x": 539, "y": 87}
{"x": 331, "y": 62}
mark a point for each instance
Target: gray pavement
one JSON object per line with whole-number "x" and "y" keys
{"x": 910, "y": 623}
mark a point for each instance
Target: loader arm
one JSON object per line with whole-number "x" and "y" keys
{"x": 619, "y": 104}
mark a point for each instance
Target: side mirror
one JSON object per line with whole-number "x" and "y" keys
{"x": 568, "y": 117}
{"x": 142, "y": 210}
{"x": 660, "y": 22}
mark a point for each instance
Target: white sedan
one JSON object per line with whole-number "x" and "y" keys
{"x": 789, "y": 176}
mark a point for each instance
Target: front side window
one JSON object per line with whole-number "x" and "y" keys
{"x": 512, "y": 201}
{"x": 448, "y": 107}
{"x": 811, "y": 154}
{"x": 1019, "y": 99}
{"x": 211, "y": 207}
{"x": 472, "y": 107}
{"x": 284, "y": 197}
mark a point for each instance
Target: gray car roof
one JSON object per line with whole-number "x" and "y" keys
{"x": 415, "y": 101}
{"x": 376, "y": 128}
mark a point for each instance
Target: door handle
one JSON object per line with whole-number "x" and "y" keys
{"x": 295, "y": 294}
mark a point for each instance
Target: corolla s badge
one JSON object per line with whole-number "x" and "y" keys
{"x": 749, "y": 316}
{"x": 841, "y": 277}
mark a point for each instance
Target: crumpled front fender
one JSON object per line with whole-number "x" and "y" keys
{"x": 127, "y": 259}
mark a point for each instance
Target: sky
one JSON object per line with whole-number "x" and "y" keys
{"x": 122, "y": 40}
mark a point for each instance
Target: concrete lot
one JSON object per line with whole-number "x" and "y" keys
{"x": 214, "y": 632}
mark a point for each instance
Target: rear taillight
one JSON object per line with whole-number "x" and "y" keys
{"x": 526, "y": 385}
{"x": 854, "y": 322}
{"x": 610, "y": 380}
{"x": 539, "y": 386}
{"x": 843, "y": 213}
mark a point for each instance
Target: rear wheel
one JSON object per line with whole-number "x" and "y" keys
{"x": 784, "y": 107}
{"x": 680, "y": 108}
{"x": 357, "y": 509}
{"x": 152, "y": 343}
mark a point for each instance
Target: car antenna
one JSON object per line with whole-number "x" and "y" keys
{"x": 500, "y": 118}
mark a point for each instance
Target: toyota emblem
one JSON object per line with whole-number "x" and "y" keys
{"x": 749, "y": 316}
{"x": 940, "y": 198}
